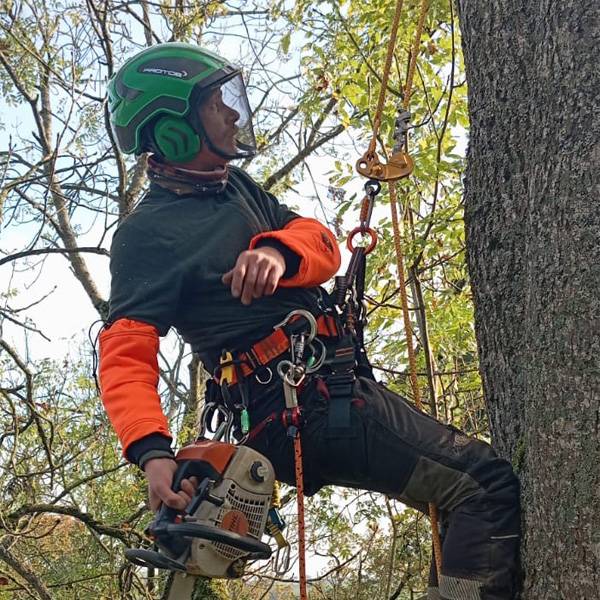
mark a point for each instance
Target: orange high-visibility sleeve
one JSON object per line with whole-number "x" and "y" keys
{"x": 314, "y": 244}
{"x": 129, "y": 379}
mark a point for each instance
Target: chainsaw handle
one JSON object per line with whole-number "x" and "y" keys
{"x": 166, "y": 514}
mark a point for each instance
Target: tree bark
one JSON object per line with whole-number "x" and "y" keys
{"x": 533, "y": 247}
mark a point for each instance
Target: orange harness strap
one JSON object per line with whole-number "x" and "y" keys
{"x": 274, "y": 345}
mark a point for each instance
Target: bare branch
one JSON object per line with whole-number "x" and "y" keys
{"x": 39, "y": 251}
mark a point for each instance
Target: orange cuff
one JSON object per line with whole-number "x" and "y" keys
{"x": 129, "y": 379}
{"x": 314, "y": 244}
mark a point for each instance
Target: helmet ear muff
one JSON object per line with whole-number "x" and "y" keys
{"x": 176, "y": 139}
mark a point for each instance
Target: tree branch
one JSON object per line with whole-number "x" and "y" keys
{"x": 11, "y": 560}
{"x": 39, "y": 251}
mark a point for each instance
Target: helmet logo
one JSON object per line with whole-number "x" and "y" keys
{"x": 157, "y": 71}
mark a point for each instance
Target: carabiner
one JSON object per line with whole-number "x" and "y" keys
{"x": 291, "y": 374}
{"x": 281, "y": 561}
{"x": 301, "y": 312}
{"x": 210, "y": 410}
{"x": 319, "y": 362}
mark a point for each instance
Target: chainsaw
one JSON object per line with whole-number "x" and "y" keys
{"x": 221, "y": 528}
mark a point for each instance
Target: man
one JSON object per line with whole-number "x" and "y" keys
{"x": 209, "y": 252}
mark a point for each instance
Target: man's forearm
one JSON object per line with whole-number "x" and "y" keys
{"x": 313, "y": 244}
{"x": 128, "y": 380}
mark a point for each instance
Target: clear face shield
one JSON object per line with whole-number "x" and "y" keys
{"x": 226, "y": 119}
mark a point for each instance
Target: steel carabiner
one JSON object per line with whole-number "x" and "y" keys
{"x": 301, "y": 312}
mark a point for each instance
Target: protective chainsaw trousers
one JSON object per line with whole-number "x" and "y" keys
{"x": 389, "y": 446}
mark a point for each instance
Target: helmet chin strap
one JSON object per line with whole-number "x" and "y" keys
{"x": 208, "y": 143}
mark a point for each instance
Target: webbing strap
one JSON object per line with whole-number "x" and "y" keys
{"x": 339, "y": 385}
{"x": 274, "y": 345}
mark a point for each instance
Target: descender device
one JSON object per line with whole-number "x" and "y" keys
{"x": 221, "y": 529}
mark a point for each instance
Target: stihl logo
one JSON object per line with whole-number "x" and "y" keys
{"x": 235, "y": 521}
{"x": 157, "y": 71}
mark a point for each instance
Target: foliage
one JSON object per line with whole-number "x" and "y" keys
{"x": 313, "y": 71}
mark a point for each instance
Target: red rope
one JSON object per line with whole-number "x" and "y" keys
{"x": 301, "y": 522}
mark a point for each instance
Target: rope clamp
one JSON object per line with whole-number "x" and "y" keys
{"x": 400, "y": 165}
{"x": 402, "y": 126}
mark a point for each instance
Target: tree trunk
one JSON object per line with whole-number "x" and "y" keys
{"x": 533, "y": 243}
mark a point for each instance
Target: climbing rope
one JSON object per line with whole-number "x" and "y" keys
{"x": 301, "y": 520}
{"x": 412, "y": 363}
{"x": 400, "y": 165}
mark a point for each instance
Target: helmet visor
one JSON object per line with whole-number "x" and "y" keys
{"x": 227, "y": 119}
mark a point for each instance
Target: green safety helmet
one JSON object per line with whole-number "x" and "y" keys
{"x": 154, "y": 100}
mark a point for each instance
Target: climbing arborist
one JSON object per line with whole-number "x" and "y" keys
{"x": 209, "y": 252}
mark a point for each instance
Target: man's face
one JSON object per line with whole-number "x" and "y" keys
{"x": 219, "y": 122}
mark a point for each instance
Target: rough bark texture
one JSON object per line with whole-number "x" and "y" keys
{"x": 533, "y": 235}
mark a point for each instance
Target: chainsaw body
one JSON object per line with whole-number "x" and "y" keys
{"x": 222, "y": 527}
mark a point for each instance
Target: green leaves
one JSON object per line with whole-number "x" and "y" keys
{"x": 285, "y": 42}
{"x": 298, "y": 57}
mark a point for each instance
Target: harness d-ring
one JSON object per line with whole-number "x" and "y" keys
{"x": 362, "y": 231}
{"x": 267, "y": 380}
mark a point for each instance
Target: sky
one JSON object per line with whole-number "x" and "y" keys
{"x": 66, "y": 313}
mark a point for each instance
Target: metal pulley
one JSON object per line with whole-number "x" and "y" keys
{"x": 399, "y": 165}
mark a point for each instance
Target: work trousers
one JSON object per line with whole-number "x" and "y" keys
{"x": 393, "y": 448}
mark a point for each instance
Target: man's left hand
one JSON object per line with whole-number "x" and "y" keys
{"x": 256, "y": 273}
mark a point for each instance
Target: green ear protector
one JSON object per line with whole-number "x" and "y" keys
{"x": 176, "y": 139}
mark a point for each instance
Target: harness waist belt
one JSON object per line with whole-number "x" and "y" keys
{"x": 269, "y": 348}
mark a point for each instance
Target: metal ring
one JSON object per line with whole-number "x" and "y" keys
{"x": 362, "y": 231}
{"x": 281, "y": 365}
{"x": 372, "y": 187}
{"x": 322, "y": 357}
{"x": 269, "y": 379}
{"x": 293, "y": 370}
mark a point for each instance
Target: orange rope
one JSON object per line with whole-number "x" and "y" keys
{"x": 395, "y": 221}
{"x": 386, "y": 76}
{"x": 412, "y": 363}
{"x": 301, "y": 521}
{"x": 414, "y": 54}
{"x": 433, "y": 514}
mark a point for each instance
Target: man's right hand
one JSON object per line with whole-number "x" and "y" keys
{"x": 159, "y": 474}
